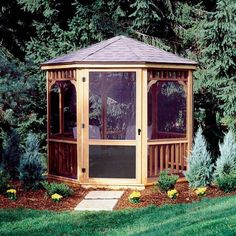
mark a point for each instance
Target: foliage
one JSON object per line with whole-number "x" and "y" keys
{"x": 4, "y": 179}
{"x": 165, "y": 181}
{"x": 134, "y": 197}
{"x": 172, "y": 194}
{"x": 59, "y": 188}
{"x": 200, "y": 169}
{"x": 226, "y": 163}
{"x": 31, "y": 165}
{"x": 225, "y": 170}
{"x": 210, "y": 215}
{"x": 201, "y": 191}
{"x": 11, "y": 153}
{"x": 227, "y": 182}
{"x": 56, "y": 197}
{"x": 11, "y": 194}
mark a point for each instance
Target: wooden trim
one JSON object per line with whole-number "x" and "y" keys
{"x": 85, "y": 121}
{"x": 166, "y": 141}
{"x": 48, "y": 119}
{"x": 128, "y": 65}
{"x": 79, "y": 96}
{"x": 144, "y": 154}
{"x": 190, "y": 111}
{"x": 62, "y": 141}
{"x": 73, "y": 182}
{"x": 108, "y": 142}
{"x": 139, "y": 81}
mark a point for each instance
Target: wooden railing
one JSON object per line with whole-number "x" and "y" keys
{"x": 169, "y": 156}
{"x": 63, "y": 158}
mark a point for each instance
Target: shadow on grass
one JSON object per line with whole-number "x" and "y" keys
{"x": 208, "y": 217}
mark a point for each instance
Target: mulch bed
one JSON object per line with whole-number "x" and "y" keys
{"x": 149, "y": 196}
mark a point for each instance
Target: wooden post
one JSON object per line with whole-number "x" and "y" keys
{"x": 190, "y": 111}
{"x": 144, "y": 152}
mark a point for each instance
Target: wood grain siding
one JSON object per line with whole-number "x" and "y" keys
{"x": 63, "y": 159}
{"x": 66, "y": 74}
{"x": 169, "y": 156}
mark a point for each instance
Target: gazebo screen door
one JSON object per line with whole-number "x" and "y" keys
{"x": 112, "y": 126}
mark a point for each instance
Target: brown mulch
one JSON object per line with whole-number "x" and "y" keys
{"x": 149, "y": 196}
{"x": 40, "y": 200}
{"x": 153, "y": 196}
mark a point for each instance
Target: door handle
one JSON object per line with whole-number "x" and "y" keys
{"x": 139, "y": 131}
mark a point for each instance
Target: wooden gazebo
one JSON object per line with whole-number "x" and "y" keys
{"x": 119, "y": 112}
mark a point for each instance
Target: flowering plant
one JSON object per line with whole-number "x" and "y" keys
{"x": 11, "y": 194}
{"x": 56, "y": 197}
{"x": 201, "y": 191}
{"x": 134, "y": 197}
{"x": 172, "y": 194}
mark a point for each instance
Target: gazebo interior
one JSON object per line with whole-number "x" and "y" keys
{"x": 119, "y": 112}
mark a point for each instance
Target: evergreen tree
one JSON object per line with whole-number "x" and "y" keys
{"x": 31, "y": 165}
{"x": 11, "y": 153}
{"x": 200, "y": 169}
{"x": 218, "y": 59}
{"x": 226, "y": 163}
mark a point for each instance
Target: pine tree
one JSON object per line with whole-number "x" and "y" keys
{"x": 226, "y": 163}
{"x": 217, "y": 41}
{"x": 200, "y": 169}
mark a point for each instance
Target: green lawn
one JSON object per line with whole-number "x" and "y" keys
{"x": 208, "y": 217}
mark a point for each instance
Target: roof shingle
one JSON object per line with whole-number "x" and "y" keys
{"x": 120, "y": 49}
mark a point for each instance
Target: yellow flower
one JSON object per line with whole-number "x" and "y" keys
{"x": 172, "y": 193}
{"x": 201, "y": 191}
{"x": 56, "y": 196}
{"x": 13, "y": 191}
{"x": 135, "y": 194}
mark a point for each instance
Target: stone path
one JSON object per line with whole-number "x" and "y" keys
{"x": 99, "y": 201}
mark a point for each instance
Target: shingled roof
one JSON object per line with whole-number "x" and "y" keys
{"x": 120, "y": 49}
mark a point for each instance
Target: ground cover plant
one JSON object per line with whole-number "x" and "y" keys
{"x": 57, "y": 188}
{"x": 208, "y": 217}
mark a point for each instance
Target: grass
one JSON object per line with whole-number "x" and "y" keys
{"x": 208, "y": 217}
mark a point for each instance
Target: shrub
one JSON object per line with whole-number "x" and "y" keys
{"x": 11, "y": 153}
{"x": 226, "y": 163}
{"x": 200, "y": 169}
{"x": 31, "y": 164}
{"x": 59, "y": 188}
{"x": 166, "y": 182}
{"x": 225, "y": 170}
{"x": 227, "y": 182}
{"x": 4, "y": 179}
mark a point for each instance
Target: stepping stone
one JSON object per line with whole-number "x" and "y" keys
{"x": 104, "y": 195}
{"x": 99, "y": 201}
{"x": 96, "y": 205}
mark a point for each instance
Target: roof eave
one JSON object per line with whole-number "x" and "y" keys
{"x": 82, "y": 64}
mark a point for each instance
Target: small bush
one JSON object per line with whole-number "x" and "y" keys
{"x": 4, "y": 179}
{"x": 166, "y": 182}
{"x": 59, "y": 188}
{"x": 227, "y": 182}
{"x": 200, "y": 169}
{"x": 31, "y": 164}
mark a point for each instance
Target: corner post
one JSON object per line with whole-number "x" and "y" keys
{"x": 144, "y": 126}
